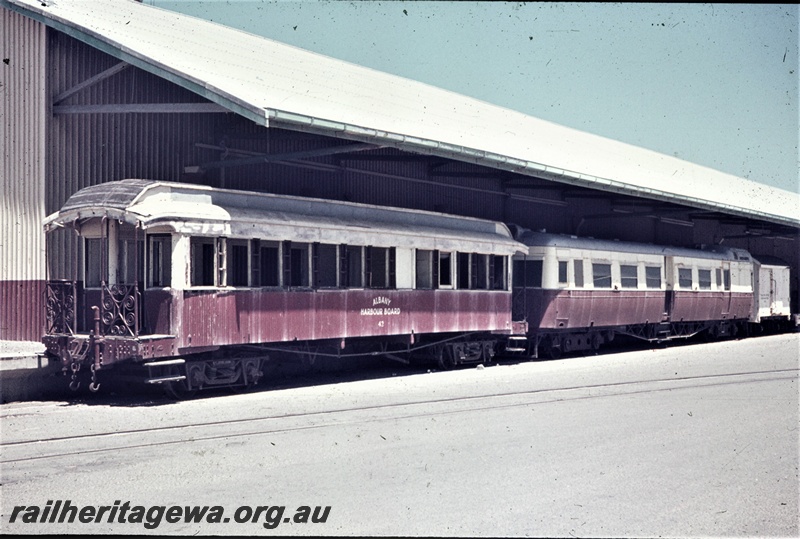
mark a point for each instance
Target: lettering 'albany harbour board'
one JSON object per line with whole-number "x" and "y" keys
{"x": 380, "y": 311}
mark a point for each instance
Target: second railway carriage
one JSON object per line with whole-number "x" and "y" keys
{"x": 771, "y": 308}
{"x": 186, "y": 279}
{"x": 576, "y": 293}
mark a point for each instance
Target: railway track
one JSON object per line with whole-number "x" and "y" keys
{"x": 25, "y": 450}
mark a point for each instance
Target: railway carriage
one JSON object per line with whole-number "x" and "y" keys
{"x": 194, "y": 287}
{"x": 771, "y": 306}
{"x": 577, "y": 293}
{"x": 188, "y": 280}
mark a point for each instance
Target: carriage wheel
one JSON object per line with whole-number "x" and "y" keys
{"x": 712, "y": 333}
{"x": 179, "y": 390}
{"x": 554, "y": 348}
{"x": 594, "y": 342}
{"x": 249, "y": 376}
{"x": 444, "y": 358}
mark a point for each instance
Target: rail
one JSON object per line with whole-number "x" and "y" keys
{"x": 60, "y": 307}
{"x": 119, "y": 311}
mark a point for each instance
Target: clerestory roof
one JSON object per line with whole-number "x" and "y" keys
{"x": 199, "y": 210}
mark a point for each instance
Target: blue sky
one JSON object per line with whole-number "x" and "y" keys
{"x": 712, "y": 84}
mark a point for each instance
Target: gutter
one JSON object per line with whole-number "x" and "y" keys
{"x": 299, "y": 122}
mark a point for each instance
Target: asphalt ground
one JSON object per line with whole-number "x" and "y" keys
{"x": 687, "y": 441}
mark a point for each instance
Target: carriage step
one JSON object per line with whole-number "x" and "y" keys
{"x": 162, "y": 379}
{"x": 165, "y": 363}
{"x": 515, "y": 349}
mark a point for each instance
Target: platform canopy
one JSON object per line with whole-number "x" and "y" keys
{"x": 277, "y": 85}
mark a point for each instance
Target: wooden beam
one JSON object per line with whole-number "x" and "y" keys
{"x": 91, "y": 81}
{"x": 305, "y": 154}
{"x": 140, "y": 108}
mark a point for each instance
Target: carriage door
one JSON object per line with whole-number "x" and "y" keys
{"x": 518, "y": 289}
{"x": 527, "y": 275}
{"x": 772, "y": 295}
{"x": 773, "y": 292}
{"x": 120, "y": 308}
{"x": 669, "y": 293}
{"x": 726, "y": 285}
{"x": 765, "y": 292}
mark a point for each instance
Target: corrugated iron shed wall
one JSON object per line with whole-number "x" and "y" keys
{"x": 382, "y": 176}
{"x": 48, "y": 157}
{"x": 87, "y": 149}
{"x": 22, "y": 106}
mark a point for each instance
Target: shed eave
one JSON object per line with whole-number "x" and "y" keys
{"x": 321, "y": 126}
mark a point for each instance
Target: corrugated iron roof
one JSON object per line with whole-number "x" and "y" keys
{"x": 275, "y": 84}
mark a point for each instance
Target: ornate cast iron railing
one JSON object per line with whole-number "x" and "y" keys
{"x": 60, "y": 307}
{"x": 120, "y": 310}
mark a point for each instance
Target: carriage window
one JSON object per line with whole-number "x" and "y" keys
{"x": 704, "y": 279}
{"x": 377, "y": 268}
{"x": 685, "y": 277}
{"x": 652, "y": 275}
{"x": 424, "y": 269}
{"x": 562, "y": 272}
{"x": 296, "y": 264}
{"x": 578, "y": 273}
{"x": 353, "y": 274}
{"x": 380, "y": 267}
{"x": 325, "y": 265}
{"x": 269, "y": 266}
{"x": 202, "y": 255}
{"x": 601, "y": 275}
{"x": 474, "y": 271}
{"x": 222, "y": 261}
{"x": 93, "y": 249}
{"x": 481, "y": 278}
{"x": 528, "y": 273}
{"x": 628, "y": 277}
{"x": 465, "y": 272}
{"x": 499, "y": 281}
{"x": 445, "y": 270}
{"x": 727, "y": 278}
{"x": 159, "y": 251}
{"x": 127, "y": 260}
{"x": 238, "y": 263}
{"x": 719, "y": 279}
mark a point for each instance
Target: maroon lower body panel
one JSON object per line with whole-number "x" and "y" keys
{"x": 21, "y": 310}
{"x": 564, "y": 309}
{"x": 214, "y": 318}
{"x": 157, "y": 310}
{"x": 702, "y": 306}
{"x": 560, "y": 309}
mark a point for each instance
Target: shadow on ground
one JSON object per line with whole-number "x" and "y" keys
{"x": 279, "y": 373}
